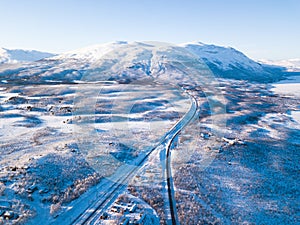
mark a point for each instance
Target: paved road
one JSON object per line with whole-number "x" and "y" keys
{"x": 111, "y": 190}
{"x": 170, "y": 202}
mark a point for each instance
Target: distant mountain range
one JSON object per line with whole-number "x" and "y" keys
{"x": 224, "y": 62}
{"x": 291, "y": 65}
{"x": 18, "y": 55}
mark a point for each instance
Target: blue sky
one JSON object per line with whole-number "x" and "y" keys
{"x": 265, "y": 29}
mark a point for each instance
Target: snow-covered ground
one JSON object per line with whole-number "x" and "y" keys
{"x": 57, "y": 141}
{"x": 290, "y": 87}
{"x": 248, "y": 176}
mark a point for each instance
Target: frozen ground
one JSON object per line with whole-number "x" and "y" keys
{"x": 243, "y": 173}
{"x": 253, "y": 177}
{"x": 57, "y": 141}
{"x": 290, "y": 87}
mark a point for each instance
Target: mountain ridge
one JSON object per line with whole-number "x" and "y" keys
{"x": 145, "y": 59}
{"x": 219, "y": 59}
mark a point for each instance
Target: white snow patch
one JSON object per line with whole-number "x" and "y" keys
{"x": 296, "y": 116}
{"x": 290, "y": 87}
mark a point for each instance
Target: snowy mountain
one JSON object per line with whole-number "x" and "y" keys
{"x": 225, "y": 58}
{"x": 18, "y": 55}
{"x": 121, "y": 61}
{"x": 222, "y": 61}
{"x": 291, "y": 65}
{"x": 128, "y": 61}
{"x": 230, "y": 63}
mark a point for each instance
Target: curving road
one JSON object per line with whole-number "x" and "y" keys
{"x": 171, "y": 212}
{"x": 110, "y": 191}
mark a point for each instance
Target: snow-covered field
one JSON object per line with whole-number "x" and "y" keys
{"x": 248, "y": 176}
{"x": 59, "y": 140}
{"x": 290, "y": 87}
{"x": 243, "y": 175}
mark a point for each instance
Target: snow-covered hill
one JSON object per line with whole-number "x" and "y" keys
{"x": 231, "y": 63}
{"x": 222, "y": 61}
{"x": 128, "y": 61}
{"x": 122, "y": 61}
{"x": 18, "y": 55}
{"x": 224, "y": 58}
